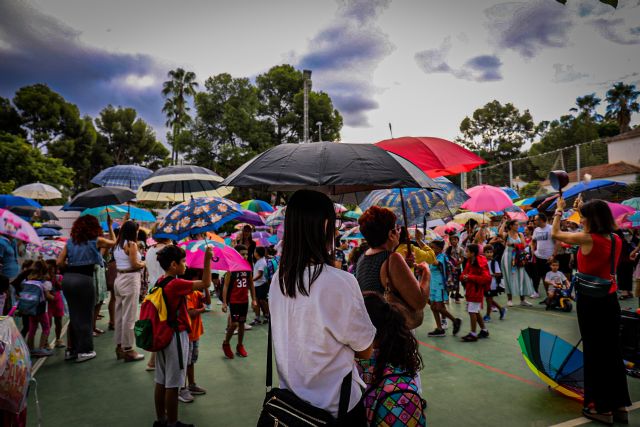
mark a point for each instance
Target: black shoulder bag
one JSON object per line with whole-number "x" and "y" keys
{"x": 283, "y": 407}
{"x": 594, "y": 286}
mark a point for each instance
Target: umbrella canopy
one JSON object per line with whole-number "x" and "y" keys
{"x": 276, "y": 218}
{"x": 254, "y": 205}
{"x": 618, "y": 209}
{"x": 464, "y": 217}
{"x": 37, "y": 190}
{"x": 329, "y": 167}
{"x": 197, "y": 216}
{"x": 130, "y": 176}
{"x": 97, "y": 197}
{"x": 50, "y": 249}
{"x": 513, "y": 194}
{"x": 8, "y": 200}
{"x": 29, "y": 212}
{"x": 451, "y": 227}
{"x": 629, "y": 220}
{"x": 180, "y": 183}
{"x": 52, "y": 225}
{"x": 353, "y": 234}
{"x": 119, "y": 211}
{"x": 596, "y": 189}
{"x": 532, "y": 212}
{"x": 559, "y": 364}
{"x": 486, "y": 198}
{"x": 225, "y": 258}
{"x": 13, "y": 226}
{"x": 48, "y": 232}
{"x": 435, "y": 156}
{"x": 249, "y": 217}
{"x": 354, "y": 214}
{"x": 525, "y": 202}
{"x": 634, "y": 203}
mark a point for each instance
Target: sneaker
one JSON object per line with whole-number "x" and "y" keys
{"x": 157, "y": 423}
{"x": 248, "y": 327}
{"x": 445, "y": 324}
{"x": 70, "y": 356}
{"x": 535, "y": 295}
{"x": 150, "y": 368}
{"x": 240, "y": 351}
{"x": 207, "y": 308}
{"x": 179, "y": 424}
{"x": 41, "y": 352}
{"x": 265, "y": 321}
{"x": 185, "y": 396}
{"x": 218, "y": 302}
{"x": 469, "y": 338}
{"x": 255, "y": 322}
{"x": 510, "y": 303}
{"x": 196, "y": 391}
{"x": 494, "y": 309}
{"x": 525, "y": 303}
{"x": 483, "y": 334}
{"x": 503, "y": 313}
{"x": 83, "y": 357}
{"x": 437, "y": 333}
{"x": 59, "y": 344}
{"x": 457, "y": 323}
{"x": 226, "y": 348}
{"x": 487, "y": 318}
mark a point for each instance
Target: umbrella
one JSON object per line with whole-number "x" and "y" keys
{"x": 354, "y": 214}
{"x": 629, "y": 220}
{"x": 130, "y": 176}
{"x": 50, "y": 249}
{"x": 29, "y": 212}
{"x": 15, "y": 370}
{"x": 513, "y": 194}
{"x": 8, "y": 200}
{"x": 338, "y": 208}
{"x": 463, "y": 218}
{"x": 485, "y": 198}
{"x": 47, "y": 232}
{"x": 276, "y": 218}
{"x": 435, "y": 156}
{"x": 97, "y": 197}
{"x": 532, "y": 212}
{"x": 254, "y": 205}
{"x": 618, "y": 210}
{"x": 115, "y": 211}
{"x": 180, "y": 183}
{"x": 525, "y": 202}
{"x": 352, "y": 234}
{"x": 451, "y": 227}
{"x": 37, "y": 190}
{"x": 197, "y": 216}
{"x": 595, "y": 189}
{"x": 634, "y": 203}
{"x": 559, "y": 364}
{"x": 249, "y": 217}
{"x": 52, "y": 225}
{"x": 13, "y": 226}
{"x": 225, "y": 258}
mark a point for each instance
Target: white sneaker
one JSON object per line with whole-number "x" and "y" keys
{"x": 247, "y": 327}
{"x": 218, "y": 302}
{"x": 535, "y": 295}
{"x": 444, "y": 323}
{"x": 185, "y": 396}
{"x": 510, "y": 303}
{"x": 82, "y": 357}
{"x": 494, "y": 309}
{"x": 525, "y": 303}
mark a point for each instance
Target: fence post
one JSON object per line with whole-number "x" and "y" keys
{"x": 510, "y": 174}
{"x": 578, "y": 163}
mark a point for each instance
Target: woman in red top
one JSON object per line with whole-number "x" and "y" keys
{"x": 606, "y": 395}
{"x": 477, "y": 280}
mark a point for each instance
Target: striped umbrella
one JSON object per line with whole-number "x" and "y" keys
{"x": 180, "y": 183}
{"x": 37, "y": 190}
{"x": 130, "y": 176}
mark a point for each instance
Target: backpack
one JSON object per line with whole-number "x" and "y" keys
{"x": 270, "y": 269}
{"x": 492, "y": 269}
{"x": 395, "y": 401}
{"x": 154, "y": 330}
{"x": 32, "y": 301}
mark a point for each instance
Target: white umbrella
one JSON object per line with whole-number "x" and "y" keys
{"x": 37, "y": 190}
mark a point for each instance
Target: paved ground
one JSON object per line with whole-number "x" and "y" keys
{"x": 484, "y": 384}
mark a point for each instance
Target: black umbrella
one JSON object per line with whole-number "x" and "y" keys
{"x": 52, "y": 225}
{"x": 29, "y": 211}
{"x": 180, "y": 183}
{"x": 102, "y": 196}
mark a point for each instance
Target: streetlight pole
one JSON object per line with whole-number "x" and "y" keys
{"x": 319, "y": 124}
{"x": 307, "y": 80}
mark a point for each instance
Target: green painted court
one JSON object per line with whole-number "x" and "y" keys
{"x": 483, "y": 384}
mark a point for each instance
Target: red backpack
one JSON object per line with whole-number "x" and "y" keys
{"x": 155, "y": 328}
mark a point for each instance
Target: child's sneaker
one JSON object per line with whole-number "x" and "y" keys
{"x": 469, "y": 338}
{"x": 59, "y": 344}
{"x": 227, "y": 351}
{"x": 503, "y": 313}
{"x": 535, "y": 295}
{"x": 240, "y": 351}
{"x": 437, "y": 333}
{"x": 457, "y": 323}
{"x": 41, "y": 352}
{"x": 185, "y": 396}
{"x": 525, "y": 303}
{"x": 445, "y": 324}
{"x": 494, "y": 309}
{"x": 483, "y": 334}
{"x": 248, "y": 327}
{"x": 255, "y": 322}
{"x": 510, "y": 303}
{"x": 265, "y": 321}
{"x": 487, "y": 318}
{"x": 196, "y": 391}
{"x": 82, "y": 357}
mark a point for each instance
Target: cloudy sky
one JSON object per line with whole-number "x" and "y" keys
{"x": 422, "y": 65}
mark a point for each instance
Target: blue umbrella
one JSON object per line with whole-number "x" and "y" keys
{"x": 596, "y": 189}
{"x": 532, "y": 212}
{"x": 198, "y": 216}
{"x": 510, "y": 192}
{"x": 8, "y": 200}
{"x": 119, "y": 211}
{"x": 47, "y": 232}
{"x": 130, "y": 176}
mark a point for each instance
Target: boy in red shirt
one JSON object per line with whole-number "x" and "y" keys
{"x": 171, "y": 362}
{"x": 477, "y": 280}
{"x": 235, "y": 297}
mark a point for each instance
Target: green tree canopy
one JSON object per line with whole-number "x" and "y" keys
{"x": 10, "y": 120}
{"x": 320, "y": 110}
{"x": 622, "y": 102}
{"x": 181, "y": 85}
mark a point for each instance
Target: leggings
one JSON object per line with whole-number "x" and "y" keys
{"x": 40, "y": 319}
{"x": 80, "y": 294}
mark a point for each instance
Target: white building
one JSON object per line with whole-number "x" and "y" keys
{"x": 624, "y": 147}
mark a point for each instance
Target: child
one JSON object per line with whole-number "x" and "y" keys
{"x": 554, "y": 279}
{"x": 171, "y": 362}
{"x": 477, "y": 280}
{"x": 235, "y": 294}
{"x": 438, "y": 294}
{"x": 456, "y": 254}
{"x": 39, "y": 277}
{"x": 56, "y": 307}
{"x": 261, "y": 285}
{"x": 496, "y": 289}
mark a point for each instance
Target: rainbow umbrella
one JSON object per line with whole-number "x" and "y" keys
{"x": 225, "y": 258}
{"x": 257, "y": 206}
{"x": 525, "y": 202}
{"x": 556, "y": 362}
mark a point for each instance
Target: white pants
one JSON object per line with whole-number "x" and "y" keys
{"x": 127, "y": 292}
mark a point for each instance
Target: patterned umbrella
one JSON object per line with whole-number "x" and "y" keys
{"x": 197, "y": 216}
{"x": 37, "y": 190}
{"x": 250, "y": 217}
{"x": 7, "y": 200}
{"x": 47, "y": 232}
{"x": 50, "y": 249}
{"x": 276, "y": 218}
{"x": 225, "y": 258}
{"x": 463, "y": 218}
{"x": 629, "y": 220}
{"x": 525, "y": 202}
{"x": 449, "y": 228}
{"x": 180, "y": 183}
{"x": 257, "y": 206}
{"x": 130, "y": 176}
{"x": 13, "y": 226}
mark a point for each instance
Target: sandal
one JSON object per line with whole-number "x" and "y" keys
{"x": 100, "y": 316}
{"x": 597, "y": 416}
{"x": 624, "y": 297}
{"x": 98, "y": 331}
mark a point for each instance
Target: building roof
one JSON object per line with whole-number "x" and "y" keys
{"x": 633, "y": 133}
{"x": 607, "y": 170}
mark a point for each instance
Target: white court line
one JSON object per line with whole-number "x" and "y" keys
{"x": 582, "y": 420}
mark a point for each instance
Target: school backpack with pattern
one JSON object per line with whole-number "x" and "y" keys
{"x": 395, "y": 401}
{"x": 31, "y": 301}
{"x": 270, "y": 269}
{"x": 154, "y": 330}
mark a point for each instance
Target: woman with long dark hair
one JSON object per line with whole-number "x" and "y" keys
{"x": 245, "y": 239}
{"x": 318, "y": 317}
{"x": 127, "y": 290}
{"x": 516, "y": 280}
{"x": 78, "y": 260}
{"x": 606, "y": 395}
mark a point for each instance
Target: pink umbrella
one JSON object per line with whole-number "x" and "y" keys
{"x": 618, "y": 210}
{"x": 449, "y": 228}
{"x": 486, "y": 198}
{"x": 518, "y": 216}
{"x": 225, "y": 258}
{"x": 13, "y": 226}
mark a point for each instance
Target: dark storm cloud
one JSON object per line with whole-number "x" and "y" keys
{"x": 36, "y": 48}
{"x": 344, "y": 55}
{"x": 615, "y": 31}
{"x": 529, "y": 27}
{"x": 484, "y": 68}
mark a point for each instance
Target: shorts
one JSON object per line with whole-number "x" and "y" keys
{"x": 262, "y": 292}
{"x": 492, "y": 293}
{"x": 168, "y": 372}
{"x": 474, "y": 307}
{"x": 438, "y": 295}
{"x": 193, "y": 352}
{"x": 238, "y": 312}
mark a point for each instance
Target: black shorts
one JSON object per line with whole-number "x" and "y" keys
{"x": 493, "y": 293}
{"x": 262, "y": 292}
{"x": 238, "y": 312}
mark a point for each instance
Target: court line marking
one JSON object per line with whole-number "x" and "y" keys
{"x": 582, "y": 420}
{"x": 41, "y": 360}
{"x": 545, "y": 312}
{"x": 483, "y": 365}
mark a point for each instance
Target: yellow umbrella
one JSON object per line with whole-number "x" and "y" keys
{"x": 463, "y": 218}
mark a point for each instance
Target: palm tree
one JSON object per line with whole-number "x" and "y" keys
{"x": 587, "y": 105}
{"x": 180, "y": 85}
{"x": 621, "y": 103}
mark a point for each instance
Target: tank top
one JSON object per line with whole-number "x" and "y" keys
{"x": 598, "y": 261}
{"x": 368, "y": 271}
{"x": 122, "y": 258}
{"x": 238, "y": 292}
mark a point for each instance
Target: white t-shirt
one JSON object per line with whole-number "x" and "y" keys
{"x": 258, "y": 267}
{"x": 556, "y": 277}
{"x": 544, "y": 243}
{"x": 315, "y": 338}
{"x": 154, "y": 269}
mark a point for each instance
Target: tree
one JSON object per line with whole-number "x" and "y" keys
{"x": 130, "y": 140}
{"x": 530, "y": 189}
{"x": 10, "y": 120}
{"x": 181, "y": 84}
{"x": 45, "y": 114}
{"x": 621, "y": 103}
{"x": 586, "y": 105}
{"x": 320, "y": 110}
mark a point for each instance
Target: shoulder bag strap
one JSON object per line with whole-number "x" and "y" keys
{"x": 269, "y": 381}
{"x": 389, "y": 283}
{"x": 613, "y": 255}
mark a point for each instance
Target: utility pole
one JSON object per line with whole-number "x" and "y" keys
{"x": 510, "y": 174}
{"x": 578, "y": 163}
{"x": 307, "y": 81}
{"x": 319, "y": 124}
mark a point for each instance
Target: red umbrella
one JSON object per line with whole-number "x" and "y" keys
{"x": 435, "y": 156}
